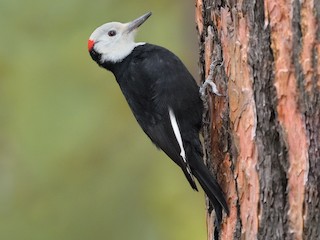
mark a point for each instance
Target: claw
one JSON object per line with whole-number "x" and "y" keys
{"x": 209, "y": 81}
{"x": 213, "y": 88}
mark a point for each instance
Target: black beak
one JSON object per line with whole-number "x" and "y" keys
{"x": 137, "y": 22}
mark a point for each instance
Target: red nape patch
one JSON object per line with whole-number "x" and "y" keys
{"x": 90, "y": 44}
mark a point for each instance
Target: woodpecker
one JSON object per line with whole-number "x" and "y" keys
{"x": 163, "y": 97}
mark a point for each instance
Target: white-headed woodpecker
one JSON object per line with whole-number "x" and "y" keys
{"x": 163, "y": 97}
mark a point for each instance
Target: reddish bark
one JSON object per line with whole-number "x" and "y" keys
{"x": 262, "y": 138}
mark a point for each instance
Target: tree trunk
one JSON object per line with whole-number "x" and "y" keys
{"x": 262, "y": 137}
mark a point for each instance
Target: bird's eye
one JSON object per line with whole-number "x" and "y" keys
{"x": 112, "y": 33}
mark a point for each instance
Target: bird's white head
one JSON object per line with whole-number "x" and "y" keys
{"x": 114, "y": 41}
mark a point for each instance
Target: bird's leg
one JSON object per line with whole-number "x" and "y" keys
{"x": 209, "y": 80}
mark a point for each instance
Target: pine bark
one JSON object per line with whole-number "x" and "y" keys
{"x": 262, "y": 138}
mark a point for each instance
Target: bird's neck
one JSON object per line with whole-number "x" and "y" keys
{"x": 111, "y": 65}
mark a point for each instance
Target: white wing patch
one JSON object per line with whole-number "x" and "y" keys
{"x": 176, "y": 131}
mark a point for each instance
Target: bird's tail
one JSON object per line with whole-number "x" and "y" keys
{"x": 211, "y": 188}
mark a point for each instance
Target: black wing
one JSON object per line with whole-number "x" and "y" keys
{"x": 155, "y": 81}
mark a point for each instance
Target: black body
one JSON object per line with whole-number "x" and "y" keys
{"x": 153, "y": 80}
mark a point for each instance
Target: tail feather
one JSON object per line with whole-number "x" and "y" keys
{"x": 211, "y": 187}
{"x": 213, "y": 191}
{"x": 213, "y": 200}
{"x": 207, "y": 181}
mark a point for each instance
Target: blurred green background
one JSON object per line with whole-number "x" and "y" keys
{"x": 73, "y": 162}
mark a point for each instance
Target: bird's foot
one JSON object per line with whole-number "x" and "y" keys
{"x": 213, "y": 88}
{"x": 209, "y": 82}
